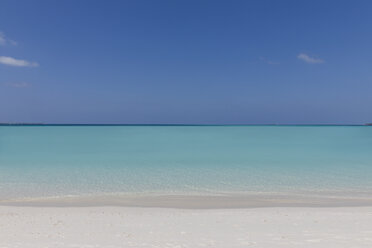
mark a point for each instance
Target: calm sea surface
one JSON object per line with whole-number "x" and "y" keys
{"x": 43, "y": 161}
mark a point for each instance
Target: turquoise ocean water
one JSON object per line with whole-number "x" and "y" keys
{"x": 44, "y": 161}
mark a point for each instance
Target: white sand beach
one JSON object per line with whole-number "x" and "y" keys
{"x": 35, "y": 227}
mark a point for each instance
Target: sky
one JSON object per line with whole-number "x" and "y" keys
{"x": 186, "y": 62}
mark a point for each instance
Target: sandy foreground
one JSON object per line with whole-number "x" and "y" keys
{"x": 160, "y": 227}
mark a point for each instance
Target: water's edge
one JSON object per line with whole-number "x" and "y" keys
{"x": 196, "y": 201}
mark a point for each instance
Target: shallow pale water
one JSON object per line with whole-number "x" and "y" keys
{"x": 43, "y": 161}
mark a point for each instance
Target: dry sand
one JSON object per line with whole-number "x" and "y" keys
{"x": 111, "y": 227}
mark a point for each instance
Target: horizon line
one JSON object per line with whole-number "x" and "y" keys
{"x": 172, "y": 124}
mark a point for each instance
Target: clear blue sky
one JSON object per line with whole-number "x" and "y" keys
{"x": 208, "y": 62}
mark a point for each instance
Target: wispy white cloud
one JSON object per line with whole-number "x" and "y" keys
{"x": 18, "y": 84}
{"x": 2, "y": 40}
{"x": 17, "y": 62}
{"x": 268, "y": 61}
{"x": 6, "y": 41}
{"x": 308, "y": 59}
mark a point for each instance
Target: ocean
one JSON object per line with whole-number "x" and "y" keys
{"x": 57, "y": 161}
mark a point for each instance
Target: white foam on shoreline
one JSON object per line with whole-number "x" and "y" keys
{"x": 198, "y": 201}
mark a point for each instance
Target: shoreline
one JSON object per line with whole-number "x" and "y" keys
{"x": 222, "y": 201}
